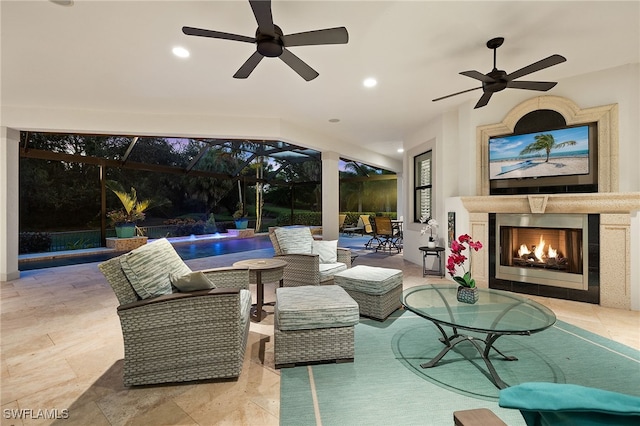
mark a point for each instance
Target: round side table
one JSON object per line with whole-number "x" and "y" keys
{"x": 262, "y": 271}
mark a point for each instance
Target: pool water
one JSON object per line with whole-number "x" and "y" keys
{"x": 186, "y": 249}
{"x": 208, "y": 248}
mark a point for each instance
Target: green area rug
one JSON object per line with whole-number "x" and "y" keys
{"x": 385, "y": 384}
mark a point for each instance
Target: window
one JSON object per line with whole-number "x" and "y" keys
{"x": 422, "y": 186}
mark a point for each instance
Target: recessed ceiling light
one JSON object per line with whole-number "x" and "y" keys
{"x": 400, "y": 149}
{"x": 369, "y": 82}
{"x": 180, "y": 52}
{"x": 334, "y": 120}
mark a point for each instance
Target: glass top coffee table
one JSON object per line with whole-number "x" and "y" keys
{"x": 495, "y": 314}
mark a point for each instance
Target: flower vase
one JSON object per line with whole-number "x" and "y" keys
{"x": 431, "y": 244}
{"x": 468, "y": 294}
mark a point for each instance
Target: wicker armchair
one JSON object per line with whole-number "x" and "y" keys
{"x": 181, "y": 337}
{"x": 306, "y": 267}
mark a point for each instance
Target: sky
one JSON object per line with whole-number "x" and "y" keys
{"x": 510, "y": 146}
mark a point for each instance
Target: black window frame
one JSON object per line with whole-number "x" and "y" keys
{"x": 420, "y": 185}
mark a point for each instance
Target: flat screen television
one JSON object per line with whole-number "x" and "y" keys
{"x": 553, "y": 157}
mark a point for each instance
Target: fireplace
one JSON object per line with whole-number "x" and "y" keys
{"x": 611, "y": 273}
{"x": 551, "y": 255}
{"x": 547, "y": 249}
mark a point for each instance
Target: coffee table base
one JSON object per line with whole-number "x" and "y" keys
{"x": 451, "y": 341}
{"x": 497, "y": 313}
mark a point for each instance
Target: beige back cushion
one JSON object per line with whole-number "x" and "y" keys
{"x": 327, "y": 250}
{"x": 148, "y": 268}
{"x": 296, "y": 240}
{"x": 366, "y": 222}
{"x": 274, "y": 241}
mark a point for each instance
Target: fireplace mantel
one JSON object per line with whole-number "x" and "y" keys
{"x": 615, "y": 210}
{"x": 598, "y": 203}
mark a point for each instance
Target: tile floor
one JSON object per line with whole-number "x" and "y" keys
{"x": 62, "y": 349}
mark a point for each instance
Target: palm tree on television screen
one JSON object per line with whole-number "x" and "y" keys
{"x": 545, "y": 142}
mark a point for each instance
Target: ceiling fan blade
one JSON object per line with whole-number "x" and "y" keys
{"x": 216, "y": 34}
{"x": 247, "y": 68}
{"x": 327, "y": 36}
{"x": 478, "y": 76}
{"x": 536, "y": 66}
{"x": 483, "y": 100}
{"x": 541, "y": 86}
{"x": 454, "y": 94}
{"x": 298, "y": 65}
{"x": 264, "y": 18}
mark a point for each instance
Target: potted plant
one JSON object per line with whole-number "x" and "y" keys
{"x": 124, "y": 219}
{"x": 240, "y": 217}
{"x": 467, "y": 290}
{"x": 430, "y": 226}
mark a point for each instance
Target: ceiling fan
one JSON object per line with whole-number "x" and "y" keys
{"x": 271, "y": 42}
{"x": 498, "y": 80}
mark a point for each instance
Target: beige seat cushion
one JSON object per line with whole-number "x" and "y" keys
{"x": 311, "y": 307}
{"x": 369, "y": 279}
{"x": 328, "y": 270}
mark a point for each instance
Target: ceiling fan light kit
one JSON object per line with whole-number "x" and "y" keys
{"x": 497, "y": 80}
{"x": 272, "y": 43}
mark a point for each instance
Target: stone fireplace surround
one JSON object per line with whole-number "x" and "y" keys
{"x": 614, "y": 208}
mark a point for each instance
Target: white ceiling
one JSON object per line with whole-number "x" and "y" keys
{"x": 116, "y": 55}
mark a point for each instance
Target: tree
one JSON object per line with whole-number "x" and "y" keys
{"x": 364, "y": 194}
{"x": 50, "y": 190}
{"x": 208, "y": 190}
{"x": 545, "y": 142}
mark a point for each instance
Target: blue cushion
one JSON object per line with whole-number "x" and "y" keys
{"x": 565, "y": 404}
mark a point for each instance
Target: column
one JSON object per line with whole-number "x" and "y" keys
{"x": 330, "y": 195}
{"x": 9, "y": 200}
{"x": 400, "y": 197}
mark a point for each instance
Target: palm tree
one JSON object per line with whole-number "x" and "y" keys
{"x": 360, "y": 192}
{"x": 547, "y": 142}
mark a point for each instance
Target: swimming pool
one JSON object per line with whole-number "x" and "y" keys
{"x": 189, "y": 248}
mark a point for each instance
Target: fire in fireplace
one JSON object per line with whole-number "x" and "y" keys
{"x": 558, "y": 249}
{"x": 541, "y": 255}
{"x": 542, "y": 249}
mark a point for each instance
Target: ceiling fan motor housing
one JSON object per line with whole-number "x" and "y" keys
{"x": 499, "y": 84}
{"x": 268, "y": 45}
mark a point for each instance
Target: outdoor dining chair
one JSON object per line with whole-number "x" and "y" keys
{"x": 384, "y": 233}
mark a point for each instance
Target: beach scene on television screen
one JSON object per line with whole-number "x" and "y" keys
{"x": 549, "y": 153}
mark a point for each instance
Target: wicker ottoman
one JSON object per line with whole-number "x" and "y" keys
{"x": 377, "y": 290}
{"x": 314, "y": 323}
